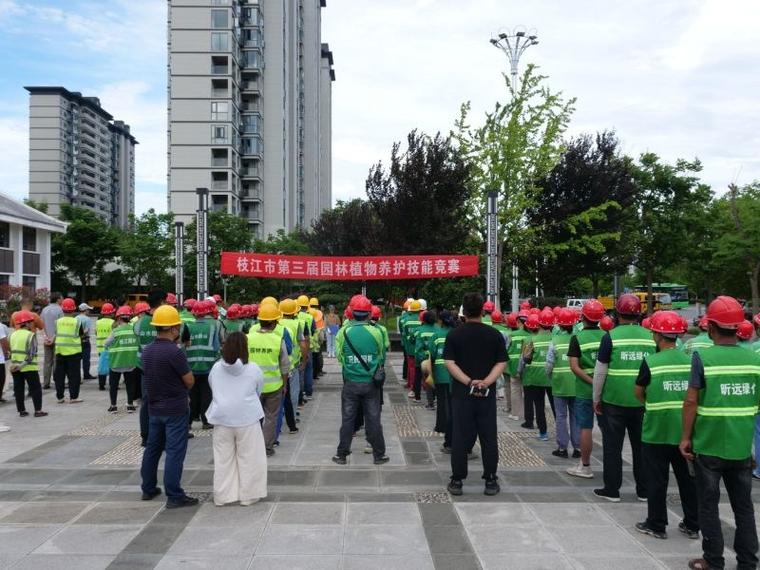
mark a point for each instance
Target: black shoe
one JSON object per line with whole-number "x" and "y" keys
{"x": 190, "y": 435}
{"x": 270, "y": 452}
{"x": 276, "y": 443}
{"x": 90, "y": 378}
{"x": 294, "y": 430}
{"x": 526, "y": 425}
{"x": 607, "y": 495}
{"x": 690, "y": 533}
{"x": 576, "y": 453}
{"x": 339, "y": 459}
{"x": 152, "y": 495}
{"x": 113, "y": 409}
{"x": 381, "y": 460}
{"x": 560, "y": 453}
{"x": 23, "y": 414}
{"x": 143, "y": 443}
{"x": 183, "y": 502}
{"x": 455, "y": 487}
{"x": 102, "y": 388}
{"x": 207, "y": 426}
{"x": 492, "y": 486}
{"x": 446, "y": 449}
{"x": 644, "y": 528}
{"x": 430, "y": 406}
{"x": 40, "y": 414}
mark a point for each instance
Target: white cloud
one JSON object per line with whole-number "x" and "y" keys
{"x": 14, "y": 174}
{"x": 144, "y": 201}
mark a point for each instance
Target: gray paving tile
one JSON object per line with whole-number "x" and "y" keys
{"x": 643, "y": 562}
{"x": 456, "y": 562}
{"x": 504, "y": 515}
{"x": 177, "y": 562}
{"x": 414, "y": 446}
{"x": 448, "y": 540}
{"x": 53, "y": 495}
{"x": 232, "y": 541}
{"x": 308, "y": 514}
{"x": 42, "y": 449}
{"x": 301, "y": 539}
{"x": 417, "y": 459}
{"x": 436, "y": 514}
{"x": 383, "y": 513}
{"x": 96, "y": 477}
{"x": 510, "y": 539}
{"x": 570, "y": 515}
{"x": 533, "y": 478}
{"x": 571, "y": 496}
{"x": 127, "y": 561}
{"x": 527, "y": 562}
{"x": 203, "y": 478}
{"x": 154, "y": 539}
{"x": 610, "y": 539}
{"x": 365, "y": 562}
{"x": 179, "y": 517}
{"x": 120, "y": 513}
{"x": 63, "y": 562}
{"x": 8, "y": 560}
{"x": 90, "y": 539}
{"x": 35, "y": 476}
{"x": 347, "y": 478}
{"x": 294, "y": 478}
{"x": 296, "y": 562}
{"x": 41, "y": 513}
{"x": 406, "y": 478}
{"x": 384, "y": 539}
{"x": 233, "y": 515}
{"x": 23, "y": 539}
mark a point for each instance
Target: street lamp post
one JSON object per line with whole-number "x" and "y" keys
{"x": 514, "y": 44}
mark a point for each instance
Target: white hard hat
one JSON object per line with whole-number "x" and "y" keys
{"x": 423, "y": 304}
{"x": 461, "y": 311}
{"x": 409, "y": 300}
{"x": 210, "y": 299}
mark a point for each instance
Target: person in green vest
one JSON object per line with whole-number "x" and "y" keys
{"x": 718, "y": 422}
{"x": 620, "y": 355}
{"x": 756, "y": 350}
{"x": 103, "y": 328}
{"x": 202, "y": 353}
{"x": 502, "y": 384}
{"x": 702, "y": 340}
{"x": 563, "y": 385}
{"x": 517, "y": 334}
{"x": 411, "y": 324}
{"x": 309, "y": 330}
{"x": 146, "y": 334}
{"x": 186, "y": 314}
{"x": 232, "y": 321}
{"x": 744, "y": 333}
{"x": 581, "y": 354}
{"x": 360, "y": 351}
{"x": 267, "y": 349}
{"x": 661, "y": 386}
{"x": 532, "y": 369}
{"x": 421, "y": 339}
{"x": 403, "y": 317}
{"x": 68, "y": 353}
{"x": 298, "y": 356}
{"x": 123, "y": 360}
{"x": 488, "y": 308}
{"x": 24, "y": 366}
{"x": 442, "y": 379}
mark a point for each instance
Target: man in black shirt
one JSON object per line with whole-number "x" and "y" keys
{"x": 475, "y": 357}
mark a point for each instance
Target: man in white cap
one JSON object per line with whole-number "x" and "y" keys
{"x": 86, "y": 324}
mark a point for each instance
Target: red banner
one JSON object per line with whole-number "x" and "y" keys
{"x": 348, "y": 268}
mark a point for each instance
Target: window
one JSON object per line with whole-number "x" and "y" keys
{"x": 29, "y": 282}
{"x": 218, "y": 134}
{"x": 219, "y": 19}
{"x": 5, "y": 234}
{"x": 219, "y": 157}
{"x": 219, "y": 65}
{"x": 30, "y": 239}
{"x": 5, "y": 280}
{"x": 220, "y": 41}
{"x": 219, "y": 87}
{"x": 219, "y": 111}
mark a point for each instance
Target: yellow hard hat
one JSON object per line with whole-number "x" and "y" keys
{"x": 303, "y": 301}
{"x": 314, "y": 302}
{"x": 288, "y": 307}
{"x": 415, "y": 306}
{"x": 269, "y": 312}
{"x": 268, "y": 301}
{"x": 165, "y": 316}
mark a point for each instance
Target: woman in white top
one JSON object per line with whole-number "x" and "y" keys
{"x": 240, "y": 461}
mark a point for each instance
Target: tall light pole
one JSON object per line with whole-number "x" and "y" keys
{"x": 514, "y": 44}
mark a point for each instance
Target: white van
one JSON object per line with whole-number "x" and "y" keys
{"x": 576, "y": 303}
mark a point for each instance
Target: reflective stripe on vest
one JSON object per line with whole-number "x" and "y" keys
{"x": 201, "y": 353}
{"x": 123, "y": 350}
{"x": 20, "y": 341}
{"x": 631, "y": 344}
{"x": 264, "y": 350}
{"x": 102, "y": 332}
{"x": 67, "y": 340}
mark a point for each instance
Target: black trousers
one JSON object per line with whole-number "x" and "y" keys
{"x": 473, "y": 417}
{"x": 316, "y": 358}
{"x": 443, "y": 419}
{"x": 535, "y": 405}
{"x": 737, "y": 477}
{"x": 69, "y": 366}
{"x": 365, "y": 396}
{"x": 130, "y": 381}
{"x": 2, "y": 378}
{"x": 614, "y": 422}
{"x": 144, "y": 416}
{"x": 417, "y": 383}
{"x": 200, "y": 398}
{"x": 290, "y": 415}
{"x": 658, "y": 459}
{"x": 403, "y": 366}
{"x": 32, "y": 380}
{"x": 86, "y": 357}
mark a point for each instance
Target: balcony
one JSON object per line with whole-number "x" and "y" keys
{"x": 251, "y": 86}
{"x": 250, "y": 173}
{"x": 220, "y": 185}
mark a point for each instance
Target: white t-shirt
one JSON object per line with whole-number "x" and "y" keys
{"x": 236, "y": 389}
{"x": 3, "y": 334}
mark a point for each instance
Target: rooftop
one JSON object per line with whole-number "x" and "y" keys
{"x": 17, "y": 212}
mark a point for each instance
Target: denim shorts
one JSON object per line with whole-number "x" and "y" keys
{"x": 584, "y": 413}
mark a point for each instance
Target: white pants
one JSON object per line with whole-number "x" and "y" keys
{"x": 517, "y": 397}
{"x": 240, "y": 464}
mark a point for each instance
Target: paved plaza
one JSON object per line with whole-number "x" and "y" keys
{"x": 70, "y": 498}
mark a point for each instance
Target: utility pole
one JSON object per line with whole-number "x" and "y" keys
{"x": 179, "y": 258}
{"x": 514, "y": 44}
{"x": 202, "y": 242}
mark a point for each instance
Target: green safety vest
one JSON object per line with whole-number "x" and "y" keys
{"x": 293, "y": 326}
{"x": 202, "y": 353}
{"x": 630, "y": 345}
{"x": 728, "y": 404}
{"x": 756, "y": 347}
{"x": 307, "y": 321}
{"x": 20, "y": 341}
{"x": 264, "y": 350}
{"x": 232, "y": 326}
{"x": 103, "y": 328}
{"x": 486, "y": 320}
{"x": 516, "y": 339}
{"x": 437, "y": 344}
{"x": 504, "y": 333}
{"x": 745, "y": 344}
{"x": 422, "y": 342}
{"x": 535, "y": 373}
{"x": 411, "y": 324}
{"x": 563, "y": 379}
{"x": 588, "y": 340}
{"x": 122, "y": 353}
{"x": 67, "y": 339}
{"x": 146, "y": 333}
{"x": 670, "y": 370}
{"x": 368, "y": 342}
{"x": 384, "y": 332}
{"x": 186, "y": 316}
{"x": 699, "y": 342}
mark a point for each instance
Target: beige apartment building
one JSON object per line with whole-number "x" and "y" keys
{"x": 250, "y": 110}
{"x": 79, "y": 155}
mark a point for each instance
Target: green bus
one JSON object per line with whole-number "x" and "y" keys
{"x": 679, "y": 294}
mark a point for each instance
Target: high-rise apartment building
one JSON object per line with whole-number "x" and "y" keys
{"x": 250, "y": 110}
{"x": 78, "y": 155}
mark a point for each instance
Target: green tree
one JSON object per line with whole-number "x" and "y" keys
{"x": 41, "y": 206}
{"x": 88, "y": 244}
{"x": 350, "y": 228}
{"x": 147, "y": 250}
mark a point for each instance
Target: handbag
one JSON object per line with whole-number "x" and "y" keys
{"x": 378, "y": 378}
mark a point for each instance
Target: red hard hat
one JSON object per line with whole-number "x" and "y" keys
{"x": 68, "y": 305}
{"x": 124, "y": 311}
{"x": 556, "y": 310}
{"x": 488, "y": 306}
{"x": 217, "y": 298}
{"x": 348, "y": 313}
{"x": 567, "y": 318}
{"x": 523, "y": 314}
{"x": 628, "y": 304}
{"x": 756, "y": 320}
{"x": 647, "y": 323}
{"x": 606, "y": 323}
{"x": 512, "y": 320}
{"x": 141, "y": 307}
{"x": 744, "y": 330}
{"x": 360, "y": 303}
{"x": 726, "y": 312}
{"x": 703, "y": 322}
{"x": 534, "y": 311}
{"x": 254, "y": 310}
{"x": 525, "y": 306}
{"x": 532, "y": 322}
{"x": 188, "y": 304}
{"x": 546, "y": 318}
{"x": 233, "y": 312}
{"x": 497, "y": 317}
{"x": 593, "y": 311}
{"x": 202, "y": 308}
{"x": 376, "y": 314}
{"x": 107, "y": 309}
{"x": 22, "y": 317}
{"x": 666, "y": 322}
{"x": 171, "y": 299}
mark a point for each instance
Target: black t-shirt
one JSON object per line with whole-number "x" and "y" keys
{"x": 476, "y": 348}
{"x": 644, "y": 378}
{"x": 605, "y": 350}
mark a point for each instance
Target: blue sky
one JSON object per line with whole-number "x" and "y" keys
{"x": 675, "y": 77}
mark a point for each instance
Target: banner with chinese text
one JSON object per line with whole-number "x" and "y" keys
{"x": 348, "y": 268}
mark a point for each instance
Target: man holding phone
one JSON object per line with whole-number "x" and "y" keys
{"x": 475, "y": 356}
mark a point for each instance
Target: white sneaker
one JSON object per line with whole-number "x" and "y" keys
{"x": 500, "y": 393}
{"x": 4, "y": 428}
{"x": 514, "y": 418}
{"x": 410, "y": 394}
{"x": 581, "y": 470}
